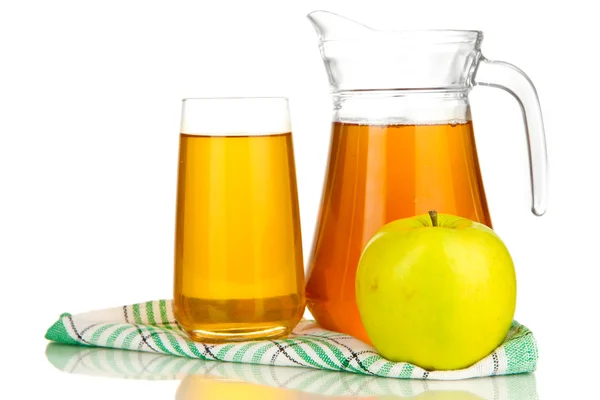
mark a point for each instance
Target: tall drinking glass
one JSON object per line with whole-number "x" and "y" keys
{"x": 238, "y": 252}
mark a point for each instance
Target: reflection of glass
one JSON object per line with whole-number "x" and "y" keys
{"x": 196, "y": 387}
{"x": 227, "y": 380}
{"x": 239, "y": 271}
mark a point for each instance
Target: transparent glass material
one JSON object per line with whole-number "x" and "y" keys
{"x": 402, "y": 144}
{"x": 239, "y": 271}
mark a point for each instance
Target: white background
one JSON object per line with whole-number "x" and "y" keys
{"x": 90, "y": 102}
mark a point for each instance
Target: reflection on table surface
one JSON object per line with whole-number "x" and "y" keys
{"x": 222, "y": 380}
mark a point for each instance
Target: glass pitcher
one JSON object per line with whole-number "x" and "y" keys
{"x": 402, "y": 144}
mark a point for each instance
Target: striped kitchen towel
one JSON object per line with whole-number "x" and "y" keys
{"x": 151, "y": 327}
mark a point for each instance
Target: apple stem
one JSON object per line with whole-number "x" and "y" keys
{"x": 433, "y": 216}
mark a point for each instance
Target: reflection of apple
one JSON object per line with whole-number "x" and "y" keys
{"x": 438, "y": 291}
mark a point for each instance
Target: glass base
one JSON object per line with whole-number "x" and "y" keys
{"x": 238, "y": 334}
{"x": 238, "y": 320}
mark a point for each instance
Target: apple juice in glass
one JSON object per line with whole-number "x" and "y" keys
{"x": 239, "y": 271}
{"x": 402, "y": 144}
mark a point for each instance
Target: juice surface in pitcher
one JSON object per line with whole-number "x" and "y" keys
{"x": 377, "y": 174}
{"x": 237, "y": 236}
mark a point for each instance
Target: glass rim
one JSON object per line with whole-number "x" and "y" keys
{"x": 440, "y": 36}
{"x": 332, "y": 27}
{"x": 235, "y": 98}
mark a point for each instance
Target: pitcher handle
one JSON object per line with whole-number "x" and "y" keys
{"x": 510, "y": 78}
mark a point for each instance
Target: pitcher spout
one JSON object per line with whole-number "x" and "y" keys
{"x": 331, "y": 26}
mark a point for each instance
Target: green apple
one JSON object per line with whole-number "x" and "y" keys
{"x": 436, "y": 290}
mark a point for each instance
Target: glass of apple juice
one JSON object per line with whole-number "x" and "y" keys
{"x": 238, "y": 251}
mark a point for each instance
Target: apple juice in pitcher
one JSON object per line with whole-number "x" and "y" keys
{"x": 377, "y": 174}
{"x": 402, "y": 144}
